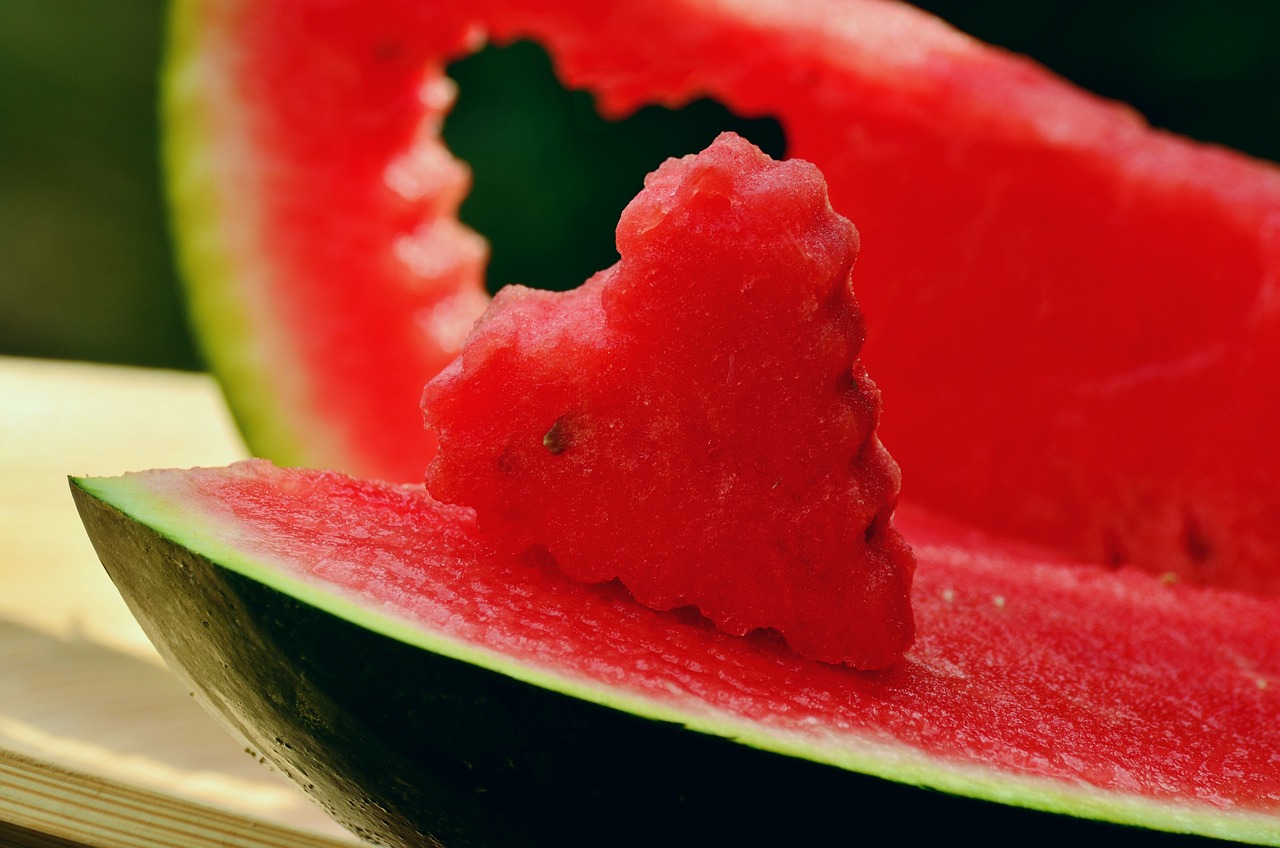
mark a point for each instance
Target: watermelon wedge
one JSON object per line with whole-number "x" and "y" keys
{"x": 1088, "y": 306}
{"x": 375, "y": 647}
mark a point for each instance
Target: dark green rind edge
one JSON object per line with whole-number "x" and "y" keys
{"x": 408, "y": 747}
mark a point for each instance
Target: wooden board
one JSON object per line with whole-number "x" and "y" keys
{"x": 82, "y": 692}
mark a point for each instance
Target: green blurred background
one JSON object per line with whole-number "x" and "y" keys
{"x": 85, "y": 263}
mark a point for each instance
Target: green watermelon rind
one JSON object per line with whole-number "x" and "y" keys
{"x": 172, "y": 515}
{"x": 224, "y": 268}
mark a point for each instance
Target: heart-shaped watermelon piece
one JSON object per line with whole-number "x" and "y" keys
{"x": 694, "y": 421}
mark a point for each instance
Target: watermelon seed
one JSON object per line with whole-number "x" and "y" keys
{"x": 557, "y": 438}
{"x": 1194, "y": 541}
{"x": 1115, "y": 553}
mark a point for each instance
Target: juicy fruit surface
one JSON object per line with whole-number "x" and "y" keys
{"x": 694, "y": 421}
{"x": 1024, "y": 243}
{"x": 1032, "y": 681}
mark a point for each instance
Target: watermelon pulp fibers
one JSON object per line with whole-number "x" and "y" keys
{"x": 1032, "y": 681}
{"x": 1076, "y": 316}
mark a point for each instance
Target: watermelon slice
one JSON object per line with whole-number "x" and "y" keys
{"x": 1025, "y": 241}
{"x": 694, "y": 421}
{"x": 1076, "y": 318}
{"x": 375, "y": 646}
{"x": 1088, "y": 305}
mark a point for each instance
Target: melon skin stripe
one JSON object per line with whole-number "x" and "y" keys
{"x": 485, "y": 725}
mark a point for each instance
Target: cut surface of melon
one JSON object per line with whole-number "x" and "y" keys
{"x": 1034, "y": 681}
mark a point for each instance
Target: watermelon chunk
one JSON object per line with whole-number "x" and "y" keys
{"x": 694, "y": 420}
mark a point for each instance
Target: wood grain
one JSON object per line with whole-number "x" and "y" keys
{"x": 81, "y": 689}
{"x": 45, "y": 805}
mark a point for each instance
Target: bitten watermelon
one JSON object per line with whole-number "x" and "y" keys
{"x": 694, "y": 420}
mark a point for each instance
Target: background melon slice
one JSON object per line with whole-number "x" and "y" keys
{"x": 374, "y": 646}
{"x": 1075, "y": 316}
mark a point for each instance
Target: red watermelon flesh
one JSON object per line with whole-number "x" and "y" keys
{"x": 694, "y": 421}
{"x": 1076, "y": 317}
{"x": 1109, "y": 694}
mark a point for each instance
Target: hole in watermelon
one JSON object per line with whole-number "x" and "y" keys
{"x": 550, "y": 175}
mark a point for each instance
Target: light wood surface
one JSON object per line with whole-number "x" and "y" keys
{"x": 49, "y": 806}
{"x": 81, "y": 689}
